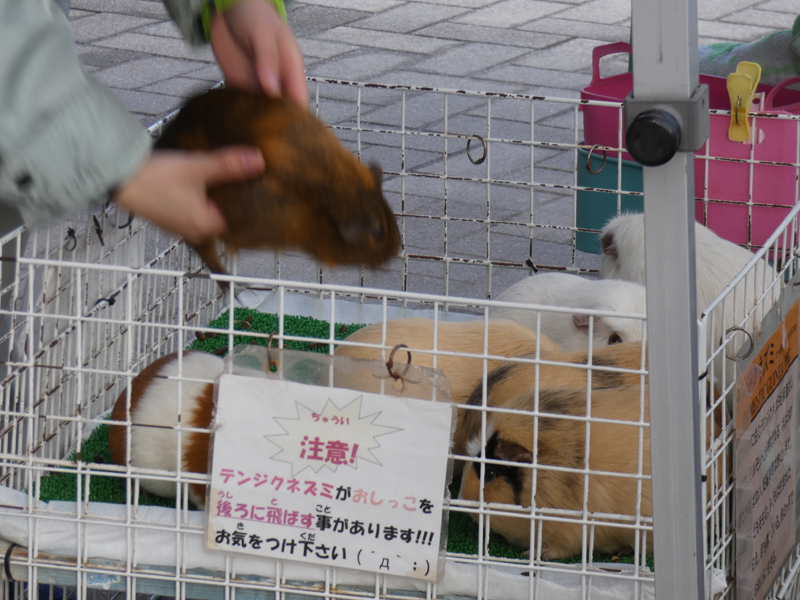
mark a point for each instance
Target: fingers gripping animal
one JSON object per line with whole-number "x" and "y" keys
{"x": 571, "y": 331}
{"x": 314, "y": 195}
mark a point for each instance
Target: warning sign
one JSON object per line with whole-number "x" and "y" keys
{"x": 329, "y": 476}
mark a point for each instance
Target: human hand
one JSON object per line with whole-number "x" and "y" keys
{"x": 257, "y": 51}
{"x": 170, "y": 188}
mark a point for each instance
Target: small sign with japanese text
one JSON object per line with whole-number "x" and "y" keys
{"x": 329, "y": 476}
{"x": 766, "y": 436}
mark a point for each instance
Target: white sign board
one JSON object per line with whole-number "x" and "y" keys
{"x": 329, "y": 476}
{"x": 765, "y": 460}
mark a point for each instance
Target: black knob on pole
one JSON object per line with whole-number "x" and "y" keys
{"x": 653, "y": 137}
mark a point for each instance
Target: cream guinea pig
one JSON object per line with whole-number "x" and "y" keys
{"x": 465, "y": 373}
{"x": 505, "y": 339}
{"x": 154, "y": 401}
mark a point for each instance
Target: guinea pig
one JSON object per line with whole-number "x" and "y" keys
{"x": 571, "y": 331}
{"x": 314, "y": 196}
{"x": 505, "y": 339}
{"x": 561, "y": 442}
{"x": 154, "y": 414}
{"x": 718, "y": 261}
{"x": 611, "y": 366}
{"x": 613, "y": 448}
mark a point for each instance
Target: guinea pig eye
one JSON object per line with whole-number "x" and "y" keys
{"x": 489, "y": 475}
{"x": 614, "y": 339}
{"x": 354, "y": 231}
{"x": 376, "y": 229}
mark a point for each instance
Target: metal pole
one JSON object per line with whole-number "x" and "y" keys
{"x": 665, "y": 68}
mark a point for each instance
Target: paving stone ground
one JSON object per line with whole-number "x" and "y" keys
{"x": 540, "y": 47}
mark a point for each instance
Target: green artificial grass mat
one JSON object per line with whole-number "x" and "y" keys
{"x": 247, "y": 319}
{"x": 462, "y": 537}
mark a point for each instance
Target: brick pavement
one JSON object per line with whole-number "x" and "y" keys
{"x": 507, "y": 45}
{"x": 518, "y": 46}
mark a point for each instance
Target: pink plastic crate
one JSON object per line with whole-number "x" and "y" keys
{"x": 745, "y": 201}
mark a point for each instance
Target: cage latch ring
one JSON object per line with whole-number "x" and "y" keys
{"x": 749, "y": 338}
{"x": 476, "y": 161}
{"x": 398, "y": 377}
{"x": 589, "y": 159}
{"x": 7, "y": 563}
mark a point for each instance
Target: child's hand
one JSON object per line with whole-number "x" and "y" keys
{"x": 257, "y": 51}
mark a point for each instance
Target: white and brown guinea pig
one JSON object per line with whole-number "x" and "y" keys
{"x": 613, "y": 448}
{"x": 571, "y": 330}
{"x": 154, "y": 401}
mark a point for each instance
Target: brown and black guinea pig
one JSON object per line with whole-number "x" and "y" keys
{"x": 613, "y": 448}
{"x": 612, "y": 366}
{"x": 314, "y": 195}
{"x": 511, "y": 377}
{"x": 154, "y": 414}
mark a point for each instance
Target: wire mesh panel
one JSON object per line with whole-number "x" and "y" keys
{"x": 552, "y": 490}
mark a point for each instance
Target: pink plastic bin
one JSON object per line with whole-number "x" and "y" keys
{"x": 725, "y": 206}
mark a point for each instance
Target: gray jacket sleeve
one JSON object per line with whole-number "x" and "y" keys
{"x": 65, "y": 140}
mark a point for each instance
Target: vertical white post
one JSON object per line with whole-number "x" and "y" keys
{"x": 665, "y": 68}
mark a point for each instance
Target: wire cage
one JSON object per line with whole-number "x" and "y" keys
{"x": 484, "y": 188}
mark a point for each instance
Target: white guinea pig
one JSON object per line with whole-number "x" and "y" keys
{"x": 571, "y": 331}
{"x": 154, "y": 402}
{"x": 718, "y": 261}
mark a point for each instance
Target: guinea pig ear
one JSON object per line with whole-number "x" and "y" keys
{"x": 377, "y": 175}
{"x": 582, "y": 322}
{"x": 609, "y": 245}
{"x": 512, "y": 451}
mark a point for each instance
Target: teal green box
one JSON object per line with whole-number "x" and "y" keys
{"x": 594, "y": 209}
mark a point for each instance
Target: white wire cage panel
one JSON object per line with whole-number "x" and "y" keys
{"x": 484, "y": 187}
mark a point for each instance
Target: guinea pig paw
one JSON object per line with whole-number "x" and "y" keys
{"x": 544, "y": 555}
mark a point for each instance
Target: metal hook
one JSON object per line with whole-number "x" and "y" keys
{"x": 589, "y": 159}
{"x": 469, "y": 153}
{"x": 738, "y": 104}
{"x": 7, "y": 563}
{"x": 98, "y": 230}
{"x": 70, "y": 236}
{"x": 128, "y": 222}
{"x": 749, "y": 337}
{"x": 110, "y": 301}
{"x": 390, "y": 362}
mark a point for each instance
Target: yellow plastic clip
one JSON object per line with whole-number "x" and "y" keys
{"x": 741, "y": 89}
